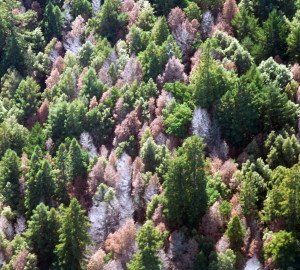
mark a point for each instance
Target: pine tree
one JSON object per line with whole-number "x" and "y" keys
{"x": 42, "y": 234}
{"x": 160, "y": 31}
{"x": 12, "y": 56}
{"x": 62, "y": 180}
{"x": 27, "y": 95}
{"x": 40, "y": 186}
{"x": 9, "y": 179}
{"x": 274, "y": 35}
{"x": 92, "y": 86}
{"x": 52, "y": 22}
{"x": 81, "y": 7}
{"x": 86, "y": 53}
{"x": 248, "y": 194}
{"x": 67, "y": 83}
{"x": 293, "y": 41}
{"x": 277, "y": 109}
{"x": 73, "y": 237}
{"x": 77, "y": 160}
{"x": 210, "y": 81}
{"x": 185, "y": 185}
{"x": 238, "y": 114}
{"x": 236, "y": 233}
{"x": 109, "y": 22}
{"x": 149, "y": 240}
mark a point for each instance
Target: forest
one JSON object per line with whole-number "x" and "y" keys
{"x": 149, "y": 134}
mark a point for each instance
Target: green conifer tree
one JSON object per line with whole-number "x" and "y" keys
{"x": 9, "y": 178}
{"x": 236, "y": 233}
{"x": 73, "y": 237}
{"x": 149, "y": 240}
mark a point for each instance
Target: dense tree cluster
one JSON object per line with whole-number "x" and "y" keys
{"x": 149, "y": 134}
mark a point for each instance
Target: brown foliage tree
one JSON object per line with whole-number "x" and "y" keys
{"x": 130, "y": 126}
{"x": 174, "y": 72}
{"x": 97, "y": 260}
{"x": 43, "y": 112}
{"x": 176, "y": 17}
{"x": 230, "y": 9}
{"x": 121, "y": 243}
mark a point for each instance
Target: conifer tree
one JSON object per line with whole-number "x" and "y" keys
{"x": 210, "y": 81}
{"x": 52, "y": 22}
{"x": 185, "y": 185}
{"x": 92, "y": 86}
{"x": 9, "y": 178}
{"x": 274, "y": 35}
{"x": 81, "y": 7}
{"x": 73, "y": 237}
{"x": 62, "y": 180}
{"x": 27, "y": 95}
{"x": 40, "y": 187}
{"x": 235, "y": 233}
{"x": 67, "y": 83}
{"x": 160, "y": 31}
{"x": 293, "y": 41}
{"x": 149, "y": 240}
{"x": 12, "y": 56}
{"x": 248, "y": 194}
{"x": 42, "y": 234}
{"x": 109, "y": 22}
{"x": 77, "y": 160}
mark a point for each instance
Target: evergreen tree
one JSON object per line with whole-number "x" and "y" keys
{"x": 283, "y": 248}
{"x": 12, "y": 56}
{"x": 274, "y": 35}
{"x": 160, "y": 31}
{"x": 239, "y": 114}
{"x": 77, "y": 160}
{"x": 248, "y": 194}
{"x": 109, "y": 22}
{"x": 67, "y": 83}
{"x": 81, "y": 7}
{"x": 277, "y": 109}
{"x": 293, "y": 41}
{"x": 9, "y": 179}
{"x": 73, "y": 237}
{"x": 52, "y": 22}
{"x": 149, "y": 240}
{"x": 210, "y": 81}
{"x": 86, "y": 53}
{"x": 42, "y": 234}
{"x": 236, "y": 233}
{"x": 92, "y": 86}
{"x": 185, "y": 185}
{"x": 40, "y": 187}
{"x": 163, "y": 7}
{"x": 27, "y": 95}
{"x": 62, "y": 180}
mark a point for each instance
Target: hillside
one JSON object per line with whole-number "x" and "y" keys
{"x": 147, "y": 135}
